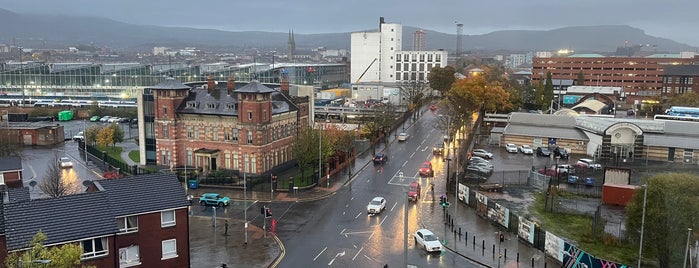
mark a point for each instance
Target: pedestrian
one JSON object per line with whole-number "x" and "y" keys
{"x": 385, "y": 266}
{"x": 225, "y": 232}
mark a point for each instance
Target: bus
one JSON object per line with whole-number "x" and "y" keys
{"x": 683, "y": 111}
{"x": 666, "y": 117}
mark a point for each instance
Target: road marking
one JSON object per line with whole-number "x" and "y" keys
{"x": 411, "y": 155}
{"x": 358, "y": 215}
{"x": 367, "y": 257}
{"x": 372, "y": 235}
{"x": 336, "y": 255}
{"x": 321, "y": 252}
{"x": 404, "y": 163}
{"x": 355, "y": 255}
{"x": 394, "y": 206}
{"x": 384, "y": 219}
{"x": 343, "y": 230}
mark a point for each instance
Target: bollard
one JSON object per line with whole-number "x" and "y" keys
{"x": 452, "y": 222}
{"x": 505, "y": 253}
{"x": 517, "y": 257}
{"x": 459, "y": 232}
{"x": 544, "y": 265}
{"x": 483, "y": 243}
{"x": 474, "y": 241}
{"x": 532, "y": 262}
{"x": 493, "y": 250}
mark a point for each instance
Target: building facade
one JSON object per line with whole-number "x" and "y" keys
{"x": 117, "y": 223}
{"x": 680, "y": 79}
{"x": 639, "y": 77}
{"x": 215, "y": 126}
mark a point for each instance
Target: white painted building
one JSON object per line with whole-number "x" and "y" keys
{"x": 379, "y": 63}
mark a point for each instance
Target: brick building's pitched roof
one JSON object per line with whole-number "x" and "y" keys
{"x": 144, "y": 193}
{"x": 63, "y": 219}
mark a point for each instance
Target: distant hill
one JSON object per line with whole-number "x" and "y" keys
{"x": 55, "y": 31}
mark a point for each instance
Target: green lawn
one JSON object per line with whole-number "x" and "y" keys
{"x": 135, "y": 156}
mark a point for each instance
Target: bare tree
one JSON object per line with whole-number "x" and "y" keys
{"x": 53, "y": 183}
{"x": 414, "y": 91}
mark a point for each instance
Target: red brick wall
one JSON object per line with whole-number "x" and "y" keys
{"x": 150, "y": 236}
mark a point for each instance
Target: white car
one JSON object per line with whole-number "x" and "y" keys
{"x": 403, "y": 136}
{"x": 79, "y": 136}
{"x": 113, "y": 119}
{"x": 376, "y": 205}
{"x": 427, "y": 240}
{"x": 511, "y": 148}
{"x": 105, "y": 118}
{"x": 65, "y": 162}
{"x": 526, "y": 149}
{"x": 588, "y": 163}
{"x": 482, "y": 153}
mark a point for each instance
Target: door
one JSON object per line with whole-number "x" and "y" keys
{"x": 671, "y": 154}
{"x": 213, "y": 163}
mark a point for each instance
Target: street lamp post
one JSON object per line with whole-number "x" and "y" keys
{"x": 686, "y": 248}
{"x": 643, "y": 221}
{"x": 245, "y": 197}
{"x": 21, "y": 73}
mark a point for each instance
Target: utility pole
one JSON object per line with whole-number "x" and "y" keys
{"x": 643, "y": 221}
{"x": 245, "y": 197}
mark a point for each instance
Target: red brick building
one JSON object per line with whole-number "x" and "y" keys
{"x": 681, "y": 79}
{"x": 639, "y": 77}
{"x": 137, "y": 221}
{"x": 11, "y": 171}
{"x": 221, "y": 125}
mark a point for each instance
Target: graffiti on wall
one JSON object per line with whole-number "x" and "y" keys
{"x": 574, "y": 257}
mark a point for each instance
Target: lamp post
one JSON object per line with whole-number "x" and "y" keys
{"x": 405, "y": 220}
{"x": 21, "y": 73}
{"x": 686, "y": 248}
{"x": 245, "y": 197}
{"x": 643, "y": 221}
{"x": 274, "y": 77}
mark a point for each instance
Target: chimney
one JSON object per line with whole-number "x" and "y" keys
{"x": 210, "y": 83}
{"x": 230, "y": 86}
{"x": 284, "y": 86}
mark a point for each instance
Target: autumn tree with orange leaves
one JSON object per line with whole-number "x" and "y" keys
{"x": 467, "y": 95}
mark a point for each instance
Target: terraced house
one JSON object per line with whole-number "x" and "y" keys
{"x": 137, "y": 221}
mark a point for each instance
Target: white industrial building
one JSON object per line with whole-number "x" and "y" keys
{"x": 379, "y": 63}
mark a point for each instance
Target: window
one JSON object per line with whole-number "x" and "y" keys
{"x": 167, "y": 218}
{"x": 2, "y": 179}
{"x": 128, "y": 224}
{"x": 129, "y": 256}
{"x": 196, "y": 132}
{"x": 164, "y": 111}
{"x": 166, "y": 132}
{"x": 169, "y": 249}
{"x": 210, "y": 105}
{"x": 249, "y": 136}
{"x": 191, "y": 104}
{"x": 189, "y": 158}
{"x": 235, "y": 134}
{"x": 94, "y": 248}
{"x": 215, "y": 134}
{"x": 190, "y": 134}
{"x": 163, "y": 158}
{"x": 249, "y": 115}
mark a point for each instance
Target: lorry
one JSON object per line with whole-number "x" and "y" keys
{"x": 414, "y": 191}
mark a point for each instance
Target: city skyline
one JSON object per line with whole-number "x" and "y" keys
{"x": 312, "y": 16}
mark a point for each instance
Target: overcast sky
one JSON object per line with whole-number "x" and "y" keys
{"x": 672, "y": 19}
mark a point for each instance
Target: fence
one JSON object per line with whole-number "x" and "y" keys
{"x": 109, "y": 162}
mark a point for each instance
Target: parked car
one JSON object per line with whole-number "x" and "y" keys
{"x": 426, "y": 170}
{"x": 105, "y": 119}
{"x": 95, "y": 118}
{"x": 478, "y": 159}
{"x": 376, "y": 205}
{"x": 526, "y": 149}
{"x": 479, "y": 170}
{"x": 543, "y": 151}
{"x": 438, "y": 148}
{"x": 482, "y": 153}
{"x": 572, "y": 179}
{"x": 414, "y": 191}
{"x": 65, "y": 162}
{"x": 565, "y": 169}
{"x": 123, "y": 120}
{"x": 380, "y": 158}
{"x": 589, "y": 181}
{"x": 427, "y": 240}
{"x": 79, "y": 136}
{"x": 113, "y": 119}
{"x": 511, "y": 148}
{"x": 214, "y": 199}
{"x": 554, "y": 170}
{"x": 588, "y": 163}
{"x": 403, "y": 136}
{"x": 561, "y": 152}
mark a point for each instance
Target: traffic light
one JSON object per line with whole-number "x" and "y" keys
{"x": 268, "y": 213}
{"x": 446, "y": 202}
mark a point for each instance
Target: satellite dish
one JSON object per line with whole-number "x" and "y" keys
{"x": 87, "y": 183}
{"x": 32, "y": 183}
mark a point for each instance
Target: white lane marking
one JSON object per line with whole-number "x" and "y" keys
{"x": 411, "y": 155}
{"x": 372, "y": 235}
{"x": 321, "y": 252}
{"x": 355, "y": 255}
{"x": 336, "y": 255}
{"x": 343, "y": 231}
{"x": 352, "y": 198}
{"x": 367, "y": 257}
{"x": 384, "y": 219}
{"x": 358, "y": 215}
{"x": 394, "y": 206}
{"x": 404, "y": 163}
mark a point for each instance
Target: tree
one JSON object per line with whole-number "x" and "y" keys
{"x": 54, "y": 184}
{"x": 414, "y": 91}
{"x": 343, "y": 141}
{"x": 105, "y": 137}
{"x": 91, "y": 134}
{"x": 539, "y": 96}
{"x": 380, "y": 123}
{"x": 548, "y": 92}
{"x": 117, "y": 134}
{"x": 467, "y": 95}
{"x": 64, "y": 256}
{"x": 441, "y": 79}
{"x": 581, "y": 79}
{"x": 305, "y": 148}
{"x": 690, "y": 99}
{"x": 672, "y": 206}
